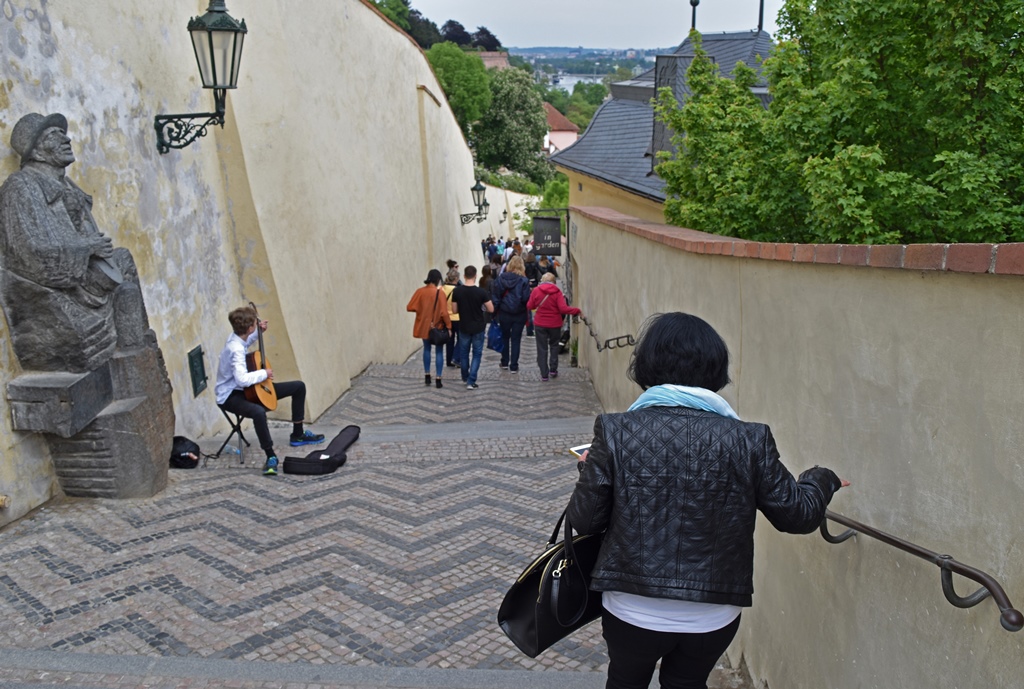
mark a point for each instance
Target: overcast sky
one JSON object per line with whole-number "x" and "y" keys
{"x": 597, "y": 23}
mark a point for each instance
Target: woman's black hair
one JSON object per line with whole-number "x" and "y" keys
{"x": 433, "y": 277}
{"x": 679, "y": 349}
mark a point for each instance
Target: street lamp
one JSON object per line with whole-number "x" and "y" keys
{"x": 504, "y": 217}
{"x": 217, "y": 39}
{"x": 479, "y": 192}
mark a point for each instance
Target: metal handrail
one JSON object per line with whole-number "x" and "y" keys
{"x": 611, "y": 343}
{"x": 1010, "y": 618}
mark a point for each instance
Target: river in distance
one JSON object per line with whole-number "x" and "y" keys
{"x": 567, "y": 83}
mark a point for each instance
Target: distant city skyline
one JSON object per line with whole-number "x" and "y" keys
{"x": 598, "y": 23}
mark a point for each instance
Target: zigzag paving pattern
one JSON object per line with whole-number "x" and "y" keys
{"x": 386, "y": 573}
{"x": 396, "y": 394}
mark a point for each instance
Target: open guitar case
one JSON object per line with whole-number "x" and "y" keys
{"x": 324, "y": 461}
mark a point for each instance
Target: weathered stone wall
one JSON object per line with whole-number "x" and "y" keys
{"x": 906, "y": 380}
{"x": 335, "y": 185}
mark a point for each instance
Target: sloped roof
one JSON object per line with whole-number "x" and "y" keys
{"x": 728, "y": 48}
{"x": 619, "y": 142}
{"x": 557, "y": 122}
{"x": 614, "y": 148}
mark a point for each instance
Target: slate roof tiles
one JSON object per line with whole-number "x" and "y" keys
{"x": 616, "y": 147}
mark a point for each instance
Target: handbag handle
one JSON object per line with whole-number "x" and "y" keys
{"x": 570, "y": 551}
{"x": 568, "y": 560}
{"x": 558, "y": 527}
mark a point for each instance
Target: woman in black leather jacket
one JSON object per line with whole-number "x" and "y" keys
{"x": 675, "y": 484}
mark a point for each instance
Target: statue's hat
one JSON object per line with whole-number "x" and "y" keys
{"x": 29, "y": 128}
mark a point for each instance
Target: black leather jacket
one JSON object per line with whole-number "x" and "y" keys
{"x": 676, "y": 490}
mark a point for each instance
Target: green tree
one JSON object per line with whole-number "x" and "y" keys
{"x": 556, "y": 195}
{"x": 485, "y": 40}
{"x": 618, "y": 74}
{"x": 456, "y": 33}
{"x": 465, "y": 82}
{"x": 520, "y": 62}
{"x": 511, "y": 132}
{"x": 584, "y": 102}
{"x": 423, "y": 31}
{"x": 594, "y": 94}
{"x": 554, "y": 95}
{"x": 395, "y": 10}
{"x": 891, "y": 122}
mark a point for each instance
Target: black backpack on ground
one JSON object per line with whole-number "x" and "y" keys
{"x": 182, "y": 452}
{"x": 324, "y": 461}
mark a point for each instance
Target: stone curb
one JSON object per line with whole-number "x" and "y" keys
{"x": 304, "y": 673}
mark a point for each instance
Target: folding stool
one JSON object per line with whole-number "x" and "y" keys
{"x": 236, "y": 428}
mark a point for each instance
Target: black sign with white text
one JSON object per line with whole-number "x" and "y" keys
{"x": 547, "y": 236}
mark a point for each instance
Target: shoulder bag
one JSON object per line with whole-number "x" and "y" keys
{"x": 437, "y": 336}
{"x": 541, "y": 303}
{"x": 552, "y": 597}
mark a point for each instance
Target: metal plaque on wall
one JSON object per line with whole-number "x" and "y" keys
{"x": 197, "y": 370}
{"x": 547, "y": 236}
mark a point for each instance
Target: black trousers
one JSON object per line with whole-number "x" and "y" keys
{"x": 547, "y": 349}
{"x": 686, "y": 659}
{"x": 237, "y": 404}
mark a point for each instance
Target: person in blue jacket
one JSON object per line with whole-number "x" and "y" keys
{"x": 509, "y": 293}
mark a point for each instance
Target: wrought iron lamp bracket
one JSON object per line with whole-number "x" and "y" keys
{"x": 467, "y": 218}
{"x": 178, "y": 131}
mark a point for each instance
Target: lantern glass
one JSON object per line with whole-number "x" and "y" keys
{"x": 236, "y": 59}
{"x": 479, "y": 190}
{"x": 219, "y": 55}
{"x": 200, "y": 43}
{"x": 217, "y": 40}
{"x": 485, "y": 208}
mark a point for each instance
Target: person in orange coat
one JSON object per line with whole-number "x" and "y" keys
{"x": 430, "y": 305}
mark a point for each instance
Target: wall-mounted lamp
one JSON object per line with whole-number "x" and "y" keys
{"x": 481, "y": 203}
{"x": 504, "y": 217}
{"x": 217, "y": 39}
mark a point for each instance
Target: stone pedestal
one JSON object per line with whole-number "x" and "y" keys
{"x": 109, "y": 430}
{"x": 59, "y": 403}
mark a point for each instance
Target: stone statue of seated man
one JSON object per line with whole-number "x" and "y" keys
{"x": 70, "y": 297}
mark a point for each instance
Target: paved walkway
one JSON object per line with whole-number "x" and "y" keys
{"x": 387, "y": 573}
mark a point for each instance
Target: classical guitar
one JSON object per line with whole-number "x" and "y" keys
{"x": 260, "y": 393}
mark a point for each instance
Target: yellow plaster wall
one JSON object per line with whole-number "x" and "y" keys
{"x": 905, "y": 382}
{"x": 588, "y": 191}
{"x": 335, "y": 185}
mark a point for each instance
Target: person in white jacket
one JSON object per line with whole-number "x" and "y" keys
{"x": 234, "y": 376}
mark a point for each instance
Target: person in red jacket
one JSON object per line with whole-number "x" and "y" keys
{"x": 550, "y": 304}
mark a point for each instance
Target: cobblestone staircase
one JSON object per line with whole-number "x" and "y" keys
{"x": 385, "y": 574}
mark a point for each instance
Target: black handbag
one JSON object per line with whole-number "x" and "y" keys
{"x": 437, "y": 336}
{"x": 552, "y": 597}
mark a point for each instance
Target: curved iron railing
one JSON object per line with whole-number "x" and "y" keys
{"x": 611, "y": 343}
{"x": 1009, "y": 617}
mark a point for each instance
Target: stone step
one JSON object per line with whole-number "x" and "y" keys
{"x": 85, "y": 671}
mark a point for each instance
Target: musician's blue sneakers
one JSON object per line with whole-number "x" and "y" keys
{"x": 270, "y": 468}
{"x": 307, "y": 438}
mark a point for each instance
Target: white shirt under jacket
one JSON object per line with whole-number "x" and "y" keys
{"x": 232, "y": 372}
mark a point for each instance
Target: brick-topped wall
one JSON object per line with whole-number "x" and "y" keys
{"x": 899, "y": 367}
{"x": 997, "y": 259}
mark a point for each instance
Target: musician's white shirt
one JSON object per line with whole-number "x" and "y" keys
{"x": 232, "y": 372}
